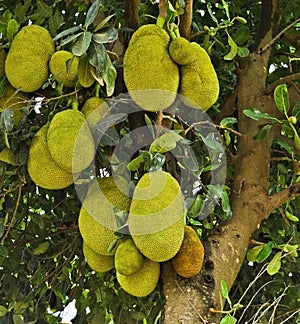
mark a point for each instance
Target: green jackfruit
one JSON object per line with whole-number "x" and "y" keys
{"x": 2, "y": 62}
{"x": 26, "y": 64}
{"x": 150, "y": 75}
{"x": 63, "y": 66}
{"x": 70, "y": 141}
{"x": 41, "y": 167}
{"x": 199, "y": 84}
{"x": 98, "y": 262}
{"x": 128, "y": 259}
{"x": 181, "y": 51}
{"x": 189, "y": 259}
{"x": 142, "y": 282}
{"x": 156, "y": 217}
{"x": 97, "y": 222}
{"x": 94, "y": 110}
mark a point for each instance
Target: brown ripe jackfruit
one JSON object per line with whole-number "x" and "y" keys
{"x": 2, "y": 62}
{"x": 150, "y": 75}
{"x": 41, "y": 167}
{"x": 26, "y": 64}
{"x": 142, "y": 282}
{"x": 128, "y": 259}
{"x": 70, "y": 141}
{"x": 199, "y": 84}
{"x": 189, "y": 259}
{"x": 156, "y": 216}
{"x": 63, "y": 66}
{"x": 97, "y": 222}
{"x": 98, "y": 262}
{"x": 181, "y": 51}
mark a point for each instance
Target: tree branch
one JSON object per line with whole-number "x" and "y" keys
{"x": 287, "y": 79}
{"x": 186, "y": 20}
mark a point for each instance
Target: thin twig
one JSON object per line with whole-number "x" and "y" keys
{"x": 287, "y": 79}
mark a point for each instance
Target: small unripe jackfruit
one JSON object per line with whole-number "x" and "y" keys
{"x": 98, "y": 262}
{"x": 156, "y": 217}
{"x": 2, "y": 62}
{"x": 181, "y": 51}
{"x": 142, "y": 282}
{"x": 150, "y": 75}
{"x": 26, "y": 64}
{"x": 97, "y": 221}
{"x": 41, "y": 167}
{"x": 63, "y": 66}
{"x": 70, "y": 141}
{"x": 94, "y": 110}
{"x": 199, "y": 83}
{"x": 128, "y": 259}
{"x": 189, "y": 259}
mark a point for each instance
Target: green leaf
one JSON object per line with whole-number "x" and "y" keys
{"x": 275, "y": 264}
{"x": 98, "y": 59}
{"x": 262, "y": 133}
{"x": 210, "y": 11}
{"x": 92, "y": 13}
{"x": 228, "y": 319}
{"x": 156, "y": 162}
{"x": 224, "y": 290}
{"x": 228, "y": 122}
{"x": 243, "y": 51}
{"x": 256, "y": 114}
{"x": 284, "y": 145}
{"x": 22, "y": 8}
{"x": 6, "y": 120}
{"x": 281, "y": 98}
{"x": 3, "y": 311}
{"x": 296, "y": 109}
{"x": 85, "y": 77}
{"x": 2, "y": 230}
{"x": 253, "y": 253}
{"x": 297, "y": 141}
{"x": 109, "y": 77}
{"x": 3, "y": 251}
{"x": 291, "y": 249}
{"x": 107, "y": 35}
{"x": 134, "y": 164}
{"x": 265, "y": 252}
{"x": 291, "y": 217}
{"x": 18, "y": 319}
{"x": 226, "y": 207}
{"x": 82, "y": 44}
{"x": 110, "y": 137}
{"x": 240, "y": 19}
{"x": 44, "y": 9}
{"x": 103, "y": 23}
{"x": 165, "y": 143}
{"x": 233, "y": 49}
{"x": 66, "y": 32}
{"x": 42, "y": 248}
{"x": 12, "y": 29}
{"x": 70, "y": 38}
{"x": 195, "y": 208}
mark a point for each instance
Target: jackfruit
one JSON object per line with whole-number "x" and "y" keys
{"x": 98, "y": 262}
{"x": 63, "y": 66}
{"x": 181, "y": 51}
{"x": 41, "y": 167}
{"x": 97, "y": 221}
{"x": 26, "y": 64}
{"x": 156, "y": 217}
{"x": 6, "y": 155}
{"x": 199, "y": 83}
{"x": 189, "y": 259}
{"x": 94, "y": 110}
{"x": 128, "y": 259}
{"x": 150, "y": 75}
{"x": 142, "y": 282}
{"x": 2, "y": 62}
{"x": 70, "y": 141}
{"x": 14, "y": 101}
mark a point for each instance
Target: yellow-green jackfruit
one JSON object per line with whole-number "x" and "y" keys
{"x": 63, "y": 66}
{"x": 189, "y": 259}
{"x": 70, "y": 141}
{"x": 157, "y": 215}
{"x": 94, "y": 110}
{"x": 199, "y": 83}
{"x": 142, "y": 282}
{"x": 181, "y": 51}
{"x": 2, "y": 62}
{"x": 98, "y": 262}
{"x": 26, "y": 64}
{"x": 41, "y": 167}
{"x": 97, "y": 221}
{"x": 128, "y": 259}
{"x": 150, "y": 75}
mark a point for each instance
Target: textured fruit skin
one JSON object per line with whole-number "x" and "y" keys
{"x": 94, "y": 110}
{"x": 199, "y": 84}
{"x": 26, "y": 64}
{"x": 70, "y": 141}
{"x": 2, "y": 62}
{"x": 189, "y": 259}
{"x": 128, "y": 258}
{"x": 63, "y": 66}
{"x": 143, "y": 281}
{"x": 41, "y": 167}
{"x": 148, "y": 67}
{"x": 181, "y": 51}
{"x": 97, "y": 222}
{"x": 156, "y": 216}
{"x": 96, "y": 261}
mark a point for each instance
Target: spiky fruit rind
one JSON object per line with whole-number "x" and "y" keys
{"x": 26, "y": 64}
{"x": 41, "y": 167}
{"x": 181, "y": 51}
{"x": 199, "y": 84}
{"x": 63, "y": 66}
{"x": 128, "y": 259}
{"x": 96, "y": 261}
{"x": 189, "y": 259}
{"x": 157, "y": 215}
{"x": 142, "y": 282}
{"x": 94, "y": 109}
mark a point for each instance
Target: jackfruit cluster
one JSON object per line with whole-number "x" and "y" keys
{"x": 26, "y": 64}
{"x": 63, "y": 66}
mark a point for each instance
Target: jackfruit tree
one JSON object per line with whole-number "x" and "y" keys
{"x": 149, "y": 161}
